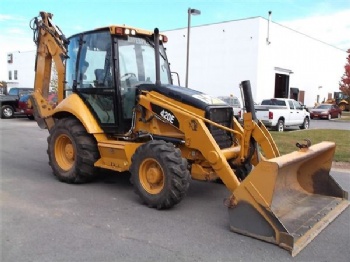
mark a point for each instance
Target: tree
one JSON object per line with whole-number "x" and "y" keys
{"x": 3, "y": 87}
{"x": 344, "y": 84}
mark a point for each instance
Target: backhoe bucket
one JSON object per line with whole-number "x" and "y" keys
{"x": 290, "y": 199}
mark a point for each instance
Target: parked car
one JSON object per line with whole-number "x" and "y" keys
{"x": 327, "y": 111}
{"x": 9, "y": 102}
{"x": 25, "y": 108}
{"x": 234, "y": 102}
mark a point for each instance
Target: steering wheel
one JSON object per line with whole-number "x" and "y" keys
{"x": 127, "y": 76}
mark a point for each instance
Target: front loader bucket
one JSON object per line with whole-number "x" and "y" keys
{"x": 290, "y": 199}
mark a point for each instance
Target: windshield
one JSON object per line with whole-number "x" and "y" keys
{"x": 232, "y": 101}
{"x": 137, "y": 63}
{"x": 273, "y": 102}
{"x": 323, "y": 107}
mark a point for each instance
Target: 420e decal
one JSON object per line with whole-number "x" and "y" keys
{"x": 166, "y": 114}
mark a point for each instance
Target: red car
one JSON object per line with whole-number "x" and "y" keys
{"x": 327, "y": 111}
{"x": 23, "y": 107}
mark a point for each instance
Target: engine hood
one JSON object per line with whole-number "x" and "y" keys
{"x": 8, "y": 98}
{"x": 184, "y": 95}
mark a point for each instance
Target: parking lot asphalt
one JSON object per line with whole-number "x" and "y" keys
{"x": 43, "y": 219}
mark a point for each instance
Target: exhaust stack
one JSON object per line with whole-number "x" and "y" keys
{"x": 156, "y": 51}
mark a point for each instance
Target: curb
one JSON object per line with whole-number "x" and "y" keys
{"x": 340, "y": 170}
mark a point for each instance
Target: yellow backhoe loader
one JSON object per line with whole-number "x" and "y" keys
{"x": 118, "y": 110}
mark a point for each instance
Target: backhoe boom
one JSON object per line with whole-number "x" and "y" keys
{"x": 51, "y": 46}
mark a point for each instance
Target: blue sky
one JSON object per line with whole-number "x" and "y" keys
{"x": 326, "y": 20}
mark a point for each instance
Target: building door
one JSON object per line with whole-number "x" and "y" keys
{"x": 281, "y": 86}
{"x": 294, "y": 93}
{"x": 301, "y": 96}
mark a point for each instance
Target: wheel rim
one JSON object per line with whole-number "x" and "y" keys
{"x": 280, "y": 127}
{"x": 151, "y": 176}
{"x": 329, "y": 116}
{"x": 7, "y": 112}
{"x": 64, "y": 152}
{"x": 306, "y": 125}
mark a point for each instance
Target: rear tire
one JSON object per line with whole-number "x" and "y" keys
{"x": 306, "y": 124}
{"x": 342, "y": 106}
{"x": 159, "y": 174}
{"x": 72, "y": 151}
{"x": 280, "y": 126}
{"x": 7, "y": 112}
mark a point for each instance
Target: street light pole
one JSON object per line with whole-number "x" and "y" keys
{"x": 190, "y": 12}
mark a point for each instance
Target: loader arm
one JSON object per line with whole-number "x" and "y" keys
{"x": 262, "y": 136}
{"x": 198, "y": 137}
{"x": 51, "y": 46}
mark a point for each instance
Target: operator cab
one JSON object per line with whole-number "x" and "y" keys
{"x": 104, "y": 69}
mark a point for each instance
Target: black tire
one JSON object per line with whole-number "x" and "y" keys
{"x": 280, "y": 126}
{"x": 159, "y": 174}
{"x": 72, "y": 151}
{"x": 306, "y": 124}
{"x": 30, "y": 117}
{"x": 342, "y": 106}
{"x": 7, "y": 112}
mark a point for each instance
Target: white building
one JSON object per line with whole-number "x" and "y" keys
{"x": 278, "y": 61}
{"x": 20, "y": 69}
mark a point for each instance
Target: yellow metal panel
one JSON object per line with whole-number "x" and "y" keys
{"x": 199, "y": 172}
{"x": 74, "y": 105}
{"x": 116, "y": 155}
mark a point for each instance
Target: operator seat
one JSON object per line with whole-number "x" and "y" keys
{"x": 100, "y": 77}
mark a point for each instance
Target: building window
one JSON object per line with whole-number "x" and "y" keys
{"x": 9, "y": 58}
{"x": 15, "y": 75}
{"x": 10, "y": 75}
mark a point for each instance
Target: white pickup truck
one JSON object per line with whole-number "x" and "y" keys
{"x": 279, "y": 113}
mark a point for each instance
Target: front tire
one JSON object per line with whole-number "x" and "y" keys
{"x": 7, "y": 112}
{"x": 306, "y": 124}
{"x": 159, "y": 174}
{"x": 72, "y": 151}
{"x": 280, "y": 126}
